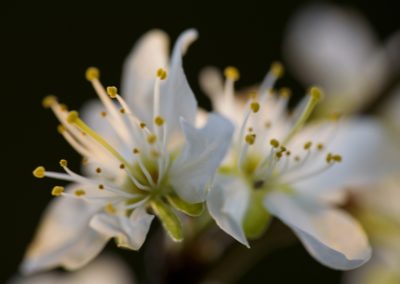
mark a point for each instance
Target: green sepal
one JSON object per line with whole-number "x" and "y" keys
{"x": 190, "y": 209}
{"x": 168, "y": 218}
{"x": 257, "y": 218}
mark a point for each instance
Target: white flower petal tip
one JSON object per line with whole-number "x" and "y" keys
{"x": 227, "y": 203}
{"x": 186, "y": 38}
{"x": 330, "y": 235}
{"x": 204, "y": 150}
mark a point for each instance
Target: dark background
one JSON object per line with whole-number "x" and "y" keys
{"x": 46, "y": 47}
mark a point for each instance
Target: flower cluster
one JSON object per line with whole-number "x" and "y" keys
{"x": 151, "y": 152}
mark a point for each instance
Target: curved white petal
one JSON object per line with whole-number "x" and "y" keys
{"x": 130, "y": 232}
{"x": 368, "y": 154}
{"x": 202, "y": 154}
{"x": 331, "y": 236}
{"x": 335, "y": 48}
{"x": 227, "y": 203}
{"x": 139, "y": 72}
{"x": 176, "y": 97}
{"x": 64, "y": 237}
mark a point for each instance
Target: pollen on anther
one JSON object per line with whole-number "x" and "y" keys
{"x": 277, "y": 69}
{"x": 232, "y": 73}
{"x": 250, "y": 139}
{"x": 98, "y": 170}
{"x": 162, "y": 74}
{"x": 57, "y": 190}
{"x": 307, "y": 145}
{"x": 135, "y": 151}
{"x": 39, "y": 172}
{"x": 122, "y": 166}
{"x": 274, "y": 143}
{"x": 142, "y": 125}
{"x": 49, "y": 101}
{"x": 92, "y": 73}
{"x": 151, "y": 139}
{"x": 110, "y": 209}
{"x": 63, "y": 163}
{"x": 320, "y": 146}
{"x": 112, "y": 91}
{"x": 158, "y": 120}
{"x": 72, "y": 116}
{"x": 122, "y": 110}
{"x": 255, "y": 106}
{"x": 80, "y": 192}
{"x": 316, "y": 93}
{"x": 101, "y": 186}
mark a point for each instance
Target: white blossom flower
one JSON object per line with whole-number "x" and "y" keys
{"x": 336, "y": 48}
{"x": 282, "y": 166}
{"x": 105, "y": 269}
{"x": 140, "y": 160}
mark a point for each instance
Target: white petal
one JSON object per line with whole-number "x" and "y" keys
{"x": 139, "y": 73}
{"x": 202, "y": 154}
{"x": 368, "y": 155}
{"x": 227, "y": 203}
{"x": 211, "y": 81}
{"x": 130, "y": 232}
{"x": 62, "y": 236}
{"x": 331, "y": 236}
{"x": 336, "y": 49}
{"x": 176, "y": 97}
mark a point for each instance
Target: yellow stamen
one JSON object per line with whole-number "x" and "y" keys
{"x": 122, "y": 166}
{"x": 232, "y": 73}
{"x": 39, "y": 172}
{"x": 112, "y": 91}
{"x": 135, "y": 151}
{"x": 250, "y": 139}
{"x": 80, "y": 192}
{"x": 255, "y": 106}
{"x": 274, "y": 143}
{"x": 285, "y": 92}
{"x": 63, "y": 163}
{"x": 92, "y": 73}
{"x": 277, "y": 69}
{"x": 98, "y": 170}
{"x": 142, "y": 125}
{"x": 320, "y": 146}
{"x": 110, "y": 209}
{"x": 158, "y": 120}
{"x": 49, "y": 101}
{"x": 57, "y": 190}
{"x": 162, "y": 74}
{"x": 101, "y": 186}
{"x": 152, "y": 138}
{"x": 307, "y": 145}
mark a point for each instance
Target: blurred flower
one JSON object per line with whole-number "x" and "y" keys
{"x": 337, "y": 49}
{"x": 278, "y": 164}
{"x": 104, "y": 270}
{"x": 145, "y": 160}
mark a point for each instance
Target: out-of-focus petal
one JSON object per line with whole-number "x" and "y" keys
{"x": 139, "y": 73}
{"x": 227, "y": 202}
{"x": 203, "y": 152}
{"x": 331, "y": 236}
{"x": 64, "y": 237}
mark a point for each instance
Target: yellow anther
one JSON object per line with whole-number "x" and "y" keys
{"x": 63, "y": 163}
{"x": 101, "y": 186}
{"x": 49, "y": 101}
{"x": 122, "y": 110}
{"x": 142, "y": 125}
{"x": 285, "y": 92}
{"x": 278, "y": 155}
{"x": 283, "y": 149}
{"x": 57, "y": 190}
{"x": 92, "y": 73}
{"x": 320, "y": 146}
{"x": 277, "y": 69}
{"x": 162, "y": 74}
{"x": 316, "y": 93}
{"x": 39, "y": 172}
{"x": 307, "y": 145}
{"x": 60, "y": 129}
{"x": 122, "y": 166}
{"x": 274, "y": 143}
{"x": 103, "y": 114}
{"x": 255, "y": 106}
{"x": 112, "y": 91}
{"x": 110, "y": 209}
{"x": 98, "y": 170}
{"x": 80, "y": 192}
{"x": 288, "y": 153}
{"x": 250, "y": 139}
{"x": 135, "y": 151}
{"x": 329, "y": 158}
{"x": 158, "y": 120}
{"x": 337, "y": 158}
{"x": 151, "y": 138}
{"x": 73, "y": 116}
{"x": 232, "y": 73}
